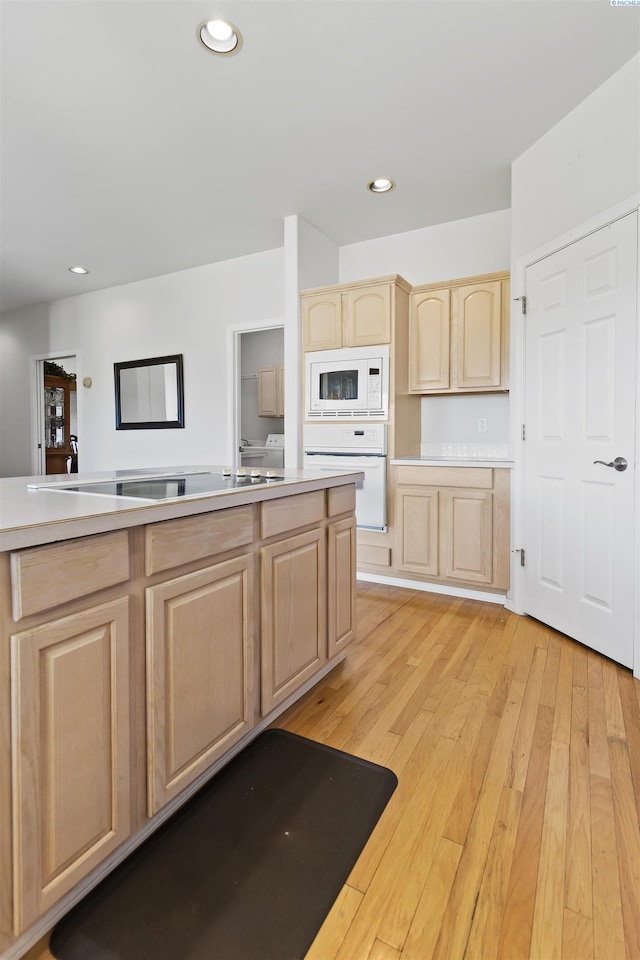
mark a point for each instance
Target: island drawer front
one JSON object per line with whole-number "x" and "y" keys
{"x": 341, "y": 500}
{"x": 289, "y": 513}
{"x": 477, "y": 477}
{"x": 174, "y": 542}
{"x": 44, "y": 577}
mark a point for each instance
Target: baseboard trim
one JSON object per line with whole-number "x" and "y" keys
{"x": 444, "y": 588}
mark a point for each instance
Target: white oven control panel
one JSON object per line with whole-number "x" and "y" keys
{"x": 338, "y": 437}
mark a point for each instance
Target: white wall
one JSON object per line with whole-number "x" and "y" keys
{"x": 586, "y": 164}
{"x": 186, "y": 312}
{"x": 461, "y": 248}
{"x": 310, "y": 260}
{"x": 455, "y": 419}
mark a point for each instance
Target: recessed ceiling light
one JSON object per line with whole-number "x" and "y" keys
{"x": 381, "y": 185}
{"x": 77, "y": 270}
{"x": 220, "y": 36}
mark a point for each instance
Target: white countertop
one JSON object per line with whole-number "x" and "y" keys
{"x": 29, "y": 517}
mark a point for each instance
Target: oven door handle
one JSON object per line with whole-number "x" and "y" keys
{"x": 352, "y": 456}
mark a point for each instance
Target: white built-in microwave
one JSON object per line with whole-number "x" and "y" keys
{"x": 350, "y": 383}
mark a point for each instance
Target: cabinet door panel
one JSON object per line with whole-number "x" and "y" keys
{"x": 466, "y": 535}
{"x": 286, "y": 513}
{"x": 429, "y": 341}
{"x": 322, "y": 321}
{"x": 271, "y": 392}
{"x": 293, "y": 615}
{"x": 44, "y": 577}
{"x": 198, "y": 640}
{"x": 341, "y": 566}
{"x": 268, "y": 392}
{"x": 368, "y": 316}
{"x": 417, "y": 521}
{"x": 477, "y": 318}
{"x": 170, "y": 543}
{"x": 70, "y": 692}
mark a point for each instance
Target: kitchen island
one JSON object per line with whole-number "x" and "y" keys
{"x": 145, "y": 642}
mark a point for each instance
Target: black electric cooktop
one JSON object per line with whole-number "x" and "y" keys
{"x": 167, "y": 488}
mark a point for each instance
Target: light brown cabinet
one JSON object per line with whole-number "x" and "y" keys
{"x": 141, "y": 659}
{"x": 70, "y": 745}
{"x": 293, "y": 614}
{"x": 352, "y": 315}
{"x": 71, "y": 734}
{"x": 341, "y": 587}
{"x": 453, "y": 524}
{"x": 322, "y": 320}
{"x": 271, "y": 392}
{"x": 308, "y": 588}
{"x": 172, "y": 610}
{"x": 199, "y": 663}
{"x": 458, "y": 336}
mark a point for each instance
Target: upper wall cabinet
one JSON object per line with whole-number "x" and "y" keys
{"x": 353, "y": 315}
{"x": 322, "y": 320}
{"x": 271, "y": 392}
{"x": 459, "y": 336}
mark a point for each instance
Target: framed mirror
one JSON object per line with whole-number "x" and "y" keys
{"x": 149, "y": 393}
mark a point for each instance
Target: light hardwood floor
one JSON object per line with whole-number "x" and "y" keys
{"x": 514, "y": 830}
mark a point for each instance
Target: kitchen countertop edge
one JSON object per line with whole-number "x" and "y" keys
{"x": 81, "y": 515}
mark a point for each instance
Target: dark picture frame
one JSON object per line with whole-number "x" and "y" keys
{"x": 149, "y": 393}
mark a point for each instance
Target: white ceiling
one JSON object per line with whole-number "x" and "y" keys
{"x": 128, "y": 148}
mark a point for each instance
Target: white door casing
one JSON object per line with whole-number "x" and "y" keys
{"x": 580, "y": 401}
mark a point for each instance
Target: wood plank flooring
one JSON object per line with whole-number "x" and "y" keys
{"x": 514, "y": 831}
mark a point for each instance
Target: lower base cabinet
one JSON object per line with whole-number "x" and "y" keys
{"x": 199, "y": 658}
{"x": 293, "y": 614}
{"x": 341, "y": 586}
{"x": 452, "y": 524}
{"x": 176, "y": 637}
{"x": 466, "y": 536}
{"x": 71, "y": 737}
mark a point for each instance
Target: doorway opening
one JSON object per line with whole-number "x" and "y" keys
{"x": 260, "y": 419}
{"x": 58, "y": 440}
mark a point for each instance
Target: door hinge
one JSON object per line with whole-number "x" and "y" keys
{"x": 523, "y": 303}
{"x": 521, "y": 552}
{"x": 523, "y": 432}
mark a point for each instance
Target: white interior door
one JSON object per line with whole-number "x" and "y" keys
{"x": 581, "y": 407}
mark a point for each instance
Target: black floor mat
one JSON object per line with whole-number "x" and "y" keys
{"x": 247, "y": 870}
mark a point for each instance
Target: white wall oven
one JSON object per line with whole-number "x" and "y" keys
{"x": 349, "y": 383}
{"x": 337, "y": 446}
